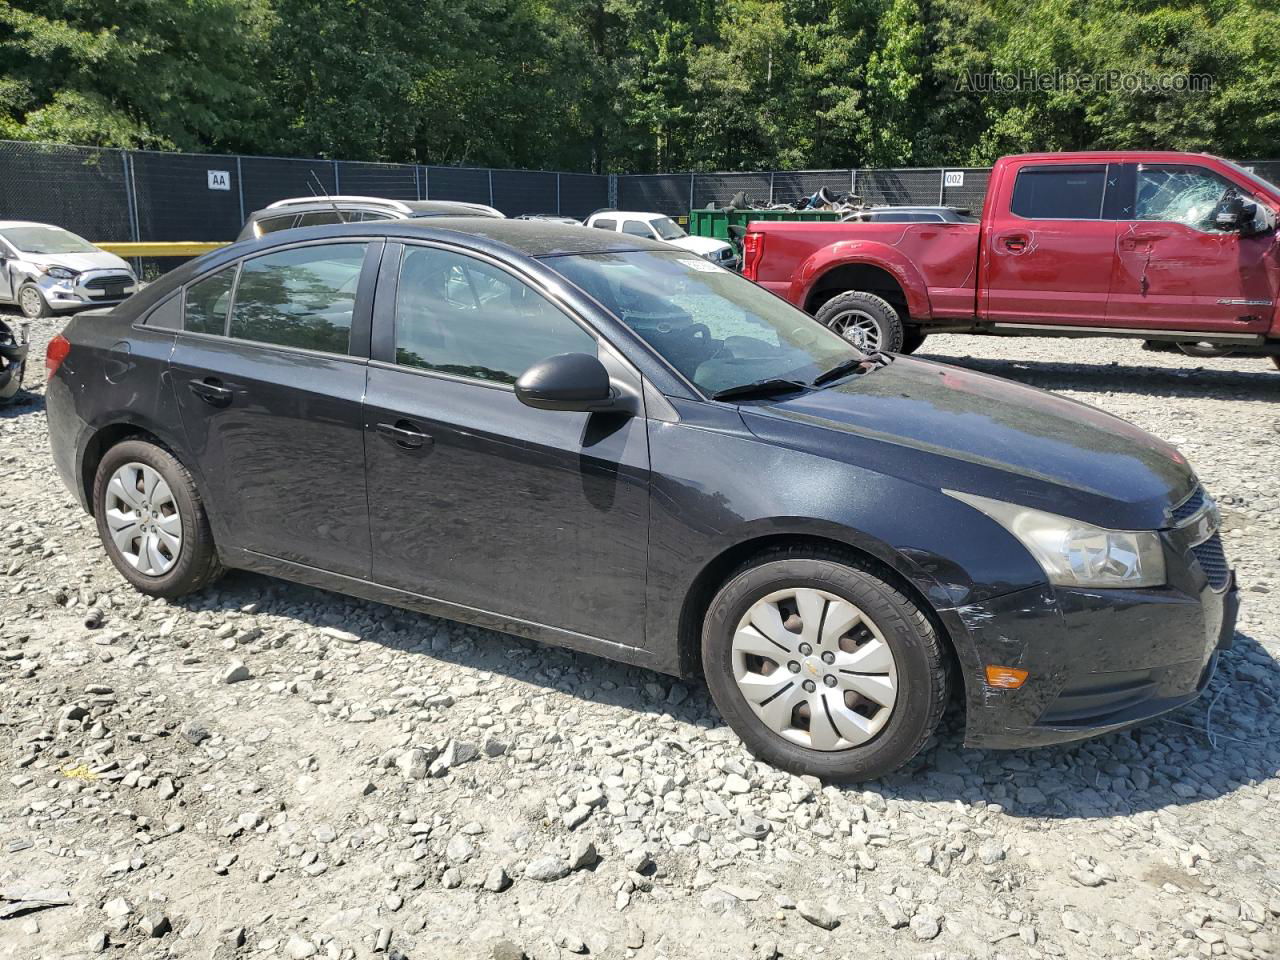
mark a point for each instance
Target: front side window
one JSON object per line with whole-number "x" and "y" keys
{"x": 1059, "y": 193}
{"x": 718, "y": 329}
{"x": 207, "y": 300}
{"x": 46, "y": 240}
{"x": 637, "y": 228}
{"x": 1188, "y": 195}
{"x": 462, "y": 316}
{"x": 303, "y": 297}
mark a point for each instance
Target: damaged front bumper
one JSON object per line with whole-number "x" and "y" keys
{"x": 13, "y": 359}
{"x": 1097, "y": 660}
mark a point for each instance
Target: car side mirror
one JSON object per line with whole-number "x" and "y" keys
{"x": 569, "y": 381}
{"x": 1235, "y": 214}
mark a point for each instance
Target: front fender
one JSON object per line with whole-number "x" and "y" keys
{"x": 872, "y": 253}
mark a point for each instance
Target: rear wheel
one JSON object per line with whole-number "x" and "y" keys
{"x": 867, "y": 321}
{"x": 823, "y": 668}
{"x": 152, "y": 521}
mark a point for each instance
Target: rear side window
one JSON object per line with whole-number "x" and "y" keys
{"x": 302, "y": 297}
{"x": 272, "y": 224}
{"x": 606, "y": 224}
{"x": 637, "y": 228}
{"x": 1059, "y": 193}
{"x": 207, "y": 302}
{"x": 326, "y": 216}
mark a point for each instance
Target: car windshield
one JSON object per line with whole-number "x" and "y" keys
{"x": 718, "y": 329}
{"x": 668, "y": 229}
{"x": 39, "y": 239}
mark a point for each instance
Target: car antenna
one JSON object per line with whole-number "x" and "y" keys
{"x": 325, "y": 196}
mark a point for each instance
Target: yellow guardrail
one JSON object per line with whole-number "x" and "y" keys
{"x": 183, "y": 249}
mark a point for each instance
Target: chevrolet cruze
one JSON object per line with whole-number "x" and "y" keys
{"x": 597, "y": 441}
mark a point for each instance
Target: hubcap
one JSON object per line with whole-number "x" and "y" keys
{"x": 142, "y": 516}
{"x": 836, "y": 694}
{"x": 30, "y": 302}
{"x": 859, "y": 328}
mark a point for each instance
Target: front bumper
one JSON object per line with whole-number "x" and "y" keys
{"x": 86, "y": 290}
{"x": 1097, "y": 660}
{"x": 13, "y": 358}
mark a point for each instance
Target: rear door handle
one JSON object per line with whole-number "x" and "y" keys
{"x": 1016, "y": 243}
{"x": 405, "y": 433}
{"x": 211, "y": 391}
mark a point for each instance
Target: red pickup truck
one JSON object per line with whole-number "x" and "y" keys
{"x": 1174, "y": 248}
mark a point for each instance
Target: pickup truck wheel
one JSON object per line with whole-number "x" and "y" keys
{"x": 912, "y": 339}
{"x": 868, "y": 322}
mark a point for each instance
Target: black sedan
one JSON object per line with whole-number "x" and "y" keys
{"x": 597, "y": 441}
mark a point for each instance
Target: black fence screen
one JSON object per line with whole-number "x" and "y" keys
{"x": 120, "y": 195}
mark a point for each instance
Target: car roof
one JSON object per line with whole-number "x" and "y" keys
{"x": 635, "y": 214}
{"x": 4, "y": 224}
{"x": 415, "y": 208}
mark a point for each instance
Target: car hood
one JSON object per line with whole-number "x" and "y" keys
{"x": 699, "y": 245}
{"x": 951, "y": 428}
{"x": 79, "y": 262}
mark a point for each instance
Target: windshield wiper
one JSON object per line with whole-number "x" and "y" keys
{"x": 872, "y": 361}
{"x": 761, "y": 388}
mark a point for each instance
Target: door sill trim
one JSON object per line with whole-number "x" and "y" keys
{"x": 449, "y": 610}
{"x": 1154, "y": 334}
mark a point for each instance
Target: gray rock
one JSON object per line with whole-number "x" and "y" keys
{"x": 413, "y": 763}
{"x": 892, "y": 912}
{"x": 990, "y": 852}
{"x": 154, "y": 925}
{"x": 451, "y": 879}
{"x": 195, "y": 732}
{"x": 299, "y": 948}
{"x": 582, "y": 854}
{"x": 577, "y": 816}
{"x": 460, "y": 849}
{"x": 546, "y": 869}
{"x": 757, "y": 828}
{"x": 236, "y": 672}
{"x": 819, "y": 914}
{"x": 508, "y": 950}
{"x": 497, "y": 880}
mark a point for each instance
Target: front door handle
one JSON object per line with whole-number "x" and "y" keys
{"x": 405, "y": 433}
{"x": 211, "y": 391}
{"x": 1133, "y": 240}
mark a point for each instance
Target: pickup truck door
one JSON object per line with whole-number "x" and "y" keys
{"x": 1049, "y": 248}
{"x": 1175, "y": 269}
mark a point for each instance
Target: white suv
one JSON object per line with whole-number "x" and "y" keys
{"x": 655, "y": 226}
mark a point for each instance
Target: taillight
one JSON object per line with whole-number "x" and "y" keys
{"x": 54, "y": 354}
{"x": 752, "y": 249}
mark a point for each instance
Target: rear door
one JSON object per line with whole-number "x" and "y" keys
{"x": 1049, "y": 251}
{"x": 1175, "y": 269}
{"x": 474, "y": 497}
{"x": 270, "y": 376}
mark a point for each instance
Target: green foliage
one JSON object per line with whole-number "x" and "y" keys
{"x": 639, "y": 85}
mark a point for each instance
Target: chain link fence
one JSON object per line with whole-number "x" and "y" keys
{"x": 120, "y": 195}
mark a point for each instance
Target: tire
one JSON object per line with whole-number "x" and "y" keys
{"x": 912, "y": 339}
{"x": 869, "y": 322}
{"x": 863, "y": 749}
{"x": 194, "y": 563}
{"x": 1275, "y": 361}
{"x": 32, "y": 302}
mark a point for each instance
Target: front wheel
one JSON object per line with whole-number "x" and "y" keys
{"x": 867, "y": 321}
{"x": 32, "y": 302}
{"x": 152, "y": 521}
{"x": 822, "y": 667}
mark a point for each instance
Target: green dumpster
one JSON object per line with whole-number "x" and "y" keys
{"x": 716, "y": 223}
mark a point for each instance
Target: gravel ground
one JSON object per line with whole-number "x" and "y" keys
{"x": 267, "y": 770}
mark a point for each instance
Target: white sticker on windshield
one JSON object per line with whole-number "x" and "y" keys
{"x": 702, "y": 265}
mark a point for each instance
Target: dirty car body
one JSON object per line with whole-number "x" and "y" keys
{"x": 609, "y": 533}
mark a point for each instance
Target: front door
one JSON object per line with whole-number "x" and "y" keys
{"x": 474, "y": 497}
{"x": 270, "y": 394}
{"x": 1176, "y": 269}
{"x": 1047, "y": 259}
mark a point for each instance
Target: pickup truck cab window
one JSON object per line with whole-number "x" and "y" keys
{"x": 1060, "y": 192}
{"x": 1180, "y": 194}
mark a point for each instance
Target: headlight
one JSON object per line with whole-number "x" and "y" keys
{"x": 1078, "y": 554}
{"x": 61, "y": 273}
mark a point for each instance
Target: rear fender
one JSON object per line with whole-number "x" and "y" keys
{"x": 872, "y": 253}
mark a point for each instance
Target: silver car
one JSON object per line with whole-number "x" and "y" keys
{"x": 45, "y": 269}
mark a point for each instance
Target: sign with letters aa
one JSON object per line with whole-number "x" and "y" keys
{"x": 219, "y": 180}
